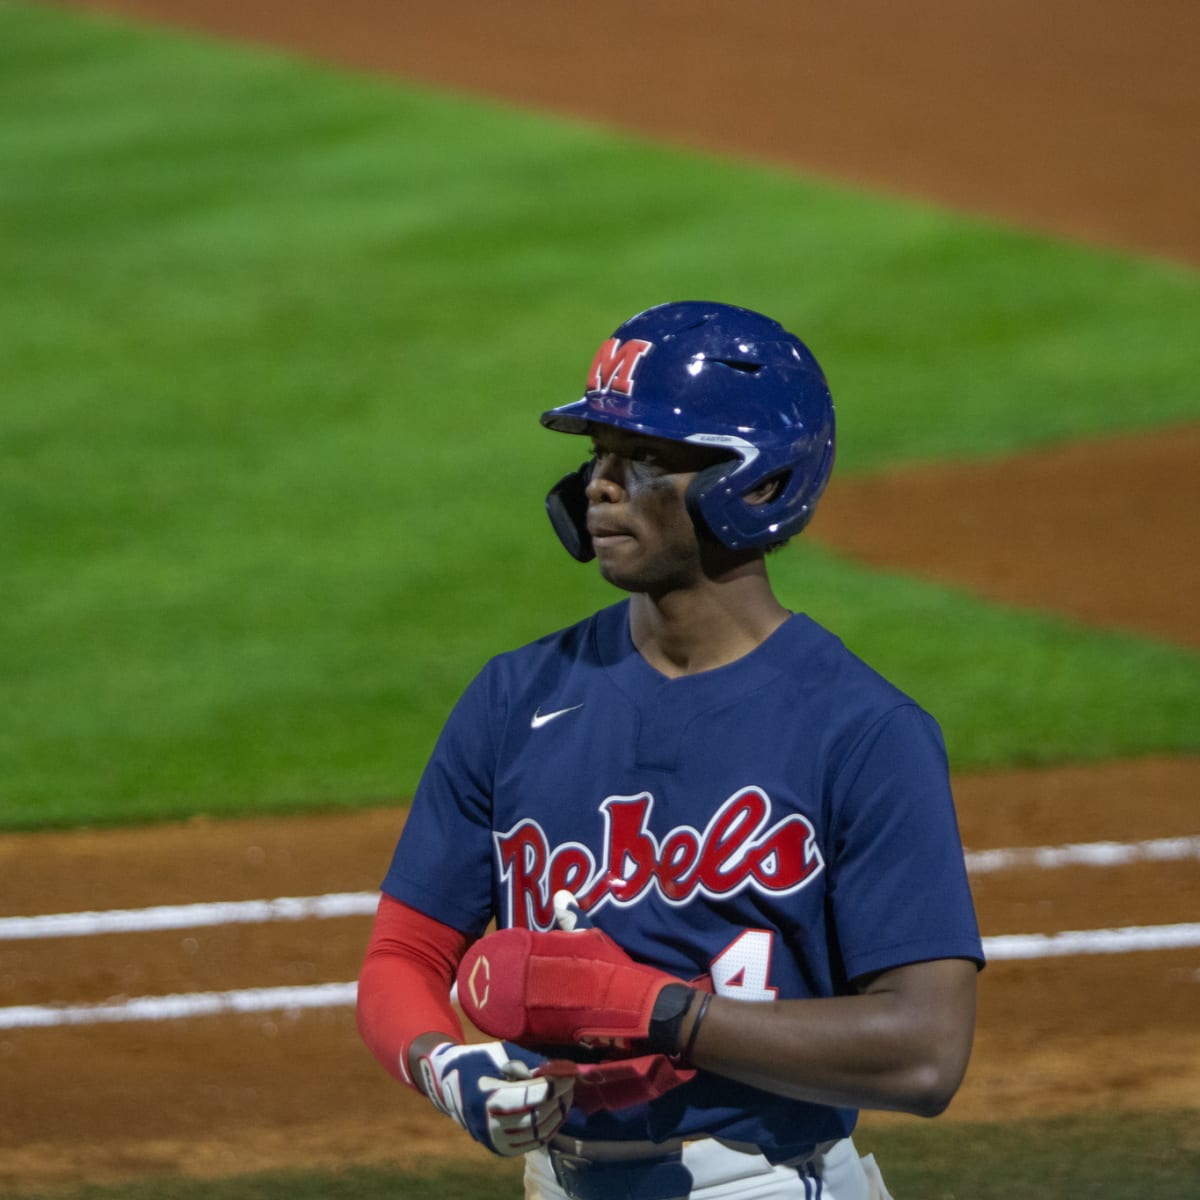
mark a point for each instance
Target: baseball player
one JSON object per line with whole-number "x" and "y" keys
{"x": 720, "y": 851}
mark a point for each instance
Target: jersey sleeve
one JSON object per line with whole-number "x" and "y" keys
{"x": 898, "y": 882}
{"x": 442, "y": 864}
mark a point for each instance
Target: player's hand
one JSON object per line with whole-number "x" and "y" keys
{"x": 562, "y": 988}
{"x": 490, "y": 1090}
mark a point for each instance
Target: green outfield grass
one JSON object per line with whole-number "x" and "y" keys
{"x": 1120, "y": 1157}
{"x": 275, "y": 342}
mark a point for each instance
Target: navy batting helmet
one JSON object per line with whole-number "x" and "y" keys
{"x": 710, "y": 375}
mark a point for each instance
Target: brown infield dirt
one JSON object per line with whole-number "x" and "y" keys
{"x": 1075, "y": 119}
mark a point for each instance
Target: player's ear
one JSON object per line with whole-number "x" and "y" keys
{"x": 768, "y": 489}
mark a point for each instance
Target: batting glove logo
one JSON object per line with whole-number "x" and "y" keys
{"x": 479, "y": 982}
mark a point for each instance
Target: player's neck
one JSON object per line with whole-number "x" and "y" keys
{"x": 698, "y": 629}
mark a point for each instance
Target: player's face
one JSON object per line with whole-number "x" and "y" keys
{"x": 637, "y": 515}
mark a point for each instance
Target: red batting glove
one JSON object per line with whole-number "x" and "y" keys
{"x": 558, "y": 988}
{"x": 619, "y": 1082}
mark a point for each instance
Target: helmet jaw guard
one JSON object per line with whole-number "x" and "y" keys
{"x": 719, "y": 376}
{"x": 566, "y": 506}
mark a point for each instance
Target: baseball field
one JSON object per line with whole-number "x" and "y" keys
{"x": 285, "y": 287}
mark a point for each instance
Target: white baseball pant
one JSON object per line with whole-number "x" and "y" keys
{"x": 717, "y": 1172}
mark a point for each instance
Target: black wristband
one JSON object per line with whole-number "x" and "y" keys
{"x": 666, "y": 1018}
{"x": 686, "y": 1056}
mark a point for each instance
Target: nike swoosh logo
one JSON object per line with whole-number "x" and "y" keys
{"x": 540, "y": 718}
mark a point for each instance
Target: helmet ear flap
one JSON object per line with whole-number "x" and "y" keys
{"x": 566, "y": 506}
{"x": 716, "y": 510}
{"x": 705, "y": 481}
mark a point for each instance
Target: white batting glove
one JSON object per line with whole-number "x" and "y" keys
{"x": 494, "y": 1096}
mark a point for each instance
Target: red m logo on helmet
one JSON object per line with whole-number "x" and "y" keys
{"x": 614, "y": 366}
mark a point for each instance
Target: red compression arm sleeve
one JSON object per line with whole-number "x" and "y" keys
{"x": 404, "y": 987}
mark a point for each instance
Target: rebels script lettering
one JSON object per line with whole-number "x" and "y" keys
{"x": 739, "y": 848}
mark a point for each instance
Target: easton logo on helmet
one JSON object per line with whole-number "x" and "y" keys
{"x": 615, "y": 365}
{"x": 738, "y": 849}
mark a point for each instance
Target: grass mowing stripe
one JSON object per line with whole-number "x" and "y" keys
{"x": 431, "y": 1181}
{"x": 1007, "y": 685}
{"x": 276, "y": 338}
{"x": 1121, "y": 1156}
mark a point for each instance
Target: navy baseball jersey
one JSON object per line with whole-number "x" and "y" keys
{"x": 783, "y": 824}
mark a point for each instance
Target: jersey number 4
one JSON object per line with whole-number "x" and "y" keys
{"x": 742, "y": 969}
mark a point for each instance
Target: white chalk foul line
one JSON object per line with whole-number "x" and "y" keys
{"x": 189, "y": 916}
{"x": 174, "y": 1008}
{"x": 352, "y": 904}
{"x": 347, "y": 904}
{"x": 1021, "y": 946}
{"x": 1084, "y": 854}
{"x": 339, "y": 995}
